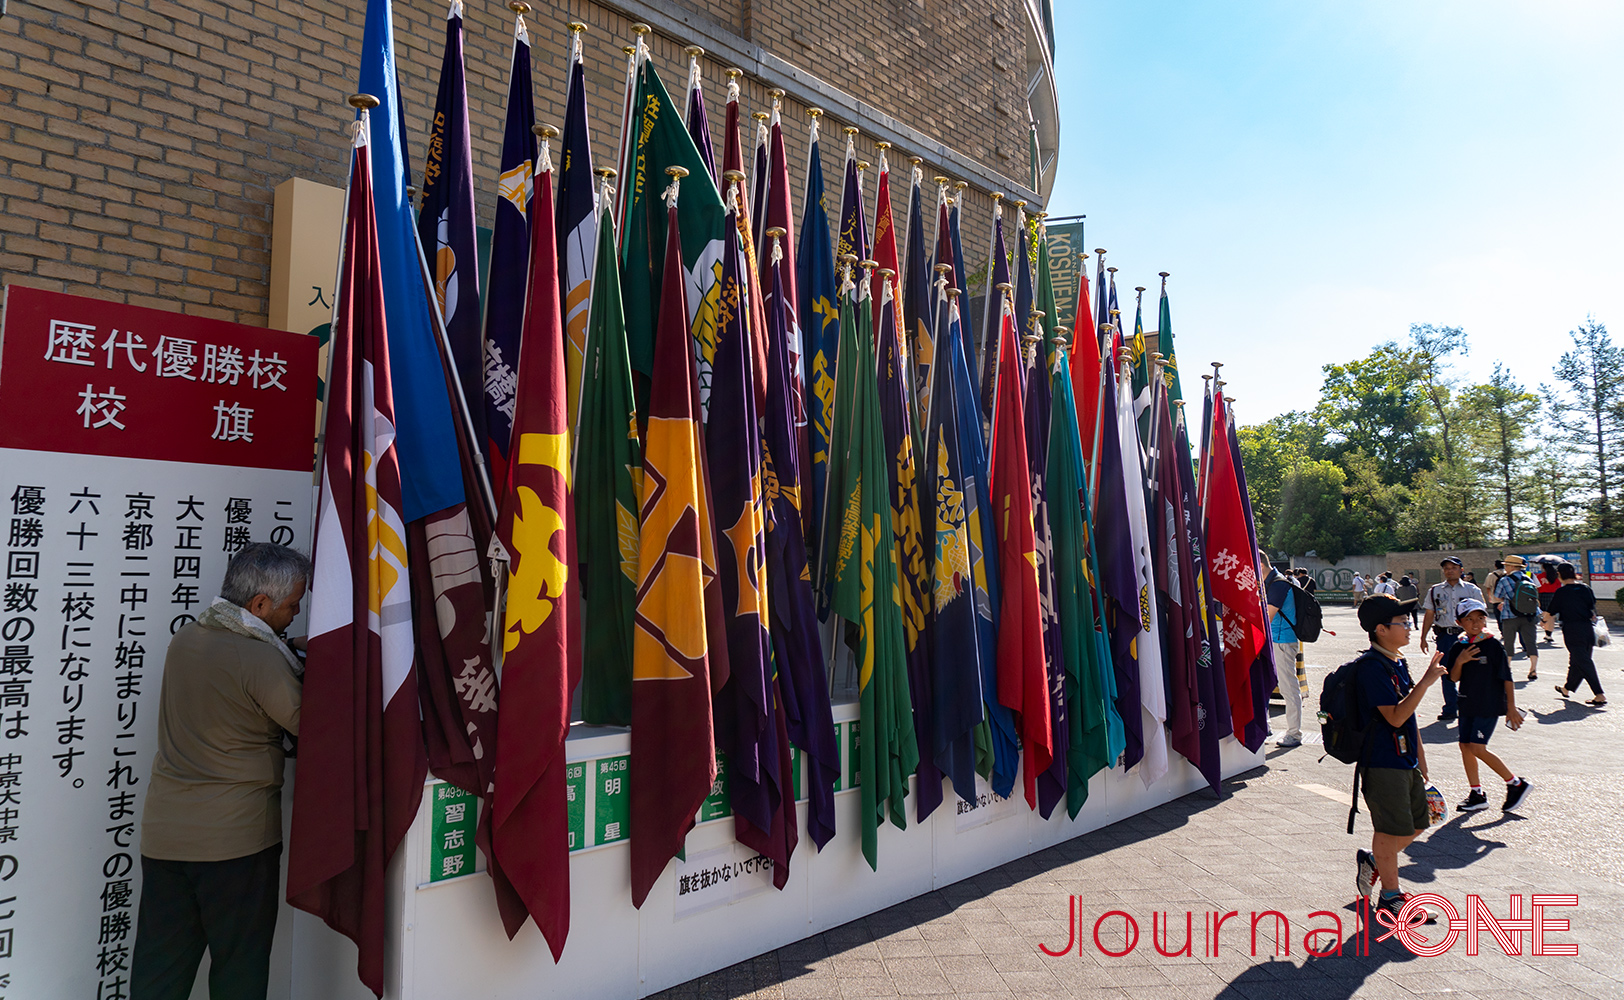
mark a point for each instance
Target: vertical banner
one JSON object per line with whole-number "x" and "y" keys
{"x": 1065, "y": 269}
{"x": 139, "y": 449}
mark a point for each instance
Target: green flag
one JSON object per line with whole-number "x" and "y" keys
{"x": 866, "y": 593}
{"x": 1164, "y": 343}
{"x": 837, "y": 492}
{"x": 608, "y": 473}
{"x": 657, "y": 139}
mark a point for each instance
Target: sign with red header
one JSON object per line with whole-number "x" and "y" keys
{"x": 89, "y": 377}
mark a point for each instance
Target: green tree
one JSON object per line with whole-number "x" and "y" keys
{"x": 1448, "y": 508}
{"x": 1268, "y": 451}
{"x": 1496, "y": 416}
{"x": 1594, "y": 418}
{"x": 1373, "y": 507}
{"x": 1430, "y": 348}
{"x": 1311, "y": 517}
{"x": 1376, "y": 405}
{"x": 1551, "y": 487}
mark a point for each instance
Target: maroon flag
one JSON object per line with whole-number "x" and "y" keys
{"x": 673, "y": 743}
{"x": 541, "y": 638}
{"x": 361, "y": 761}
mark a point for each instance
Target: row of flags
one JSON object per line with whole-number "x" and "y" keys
{"x": 673, "y": 455}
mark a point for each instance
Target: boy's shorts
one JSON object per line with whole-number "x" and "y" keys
{"x": 1477, "y": 728}
{"x": 1397, "y": 800}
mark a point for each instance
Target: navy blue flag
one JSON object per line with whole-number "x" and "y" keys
{"x": 1025, "y": 290}
{"x": 983, "y": 557}
{"x": 969, "y": 347}
{"x": 820, "y": 323}
{"x": 446, "y": 223}
{"x": 797, "y": 649}
{"x": 918, "y": 315}
{"x": 1102, "y": 308}
{"x": 510, "y": 263}
{"x": 1119, "y": 588}
{"x": 853, "y": 217}
{"x": 957, "y": 700}
{"x": 1212, "y": 713}
{"x": 698, "y": 124}
{"x": 747, "y": 723}
{"x": 1182, "y": 637}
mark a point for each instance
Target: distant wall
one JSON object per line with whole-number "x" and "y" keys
{"x": 1600, "y": 562}
{"x": 1335, "y": 580}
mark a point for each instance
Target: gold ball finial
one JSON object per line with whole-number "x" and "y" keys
{"x": 677, "y": 171}
{"x": 775, "y": 232}
{"x": 732, "y": 175}
{"x": 814, "y": 113}
{"x": 847, "y": 258}
{"x": 1138, "y": 288}
{"x": 998, "y": 196}
{"x": 944, "y": 269}
{"x": 960, "y": 185}
{"x": 694, "y": 51}
{"x": 776, "y": 94}
{"x": 640, "y": 28}
{"x": 863, "y": 164}
{"x": 629, "y": 49}
{"x": 363, "y": 102}
{"x": 887, "y": 273}
{"x": 545, "y": 131}
{"x": 1004, "y": 286}
{"x": 882, "y": 145}
{"x": 1112, "y": 270}
{"x": 868, "y": 265}
{"x": 760, "y": 116}
{"x": 733, "y": 72}
{"x": 952, "y": 292}
{"x": 606, "y": 172}
{"x": 1162, "y": 275}
{"x": 939, "y": 179}
{"x": 916, "y": 160}
{"x": 1099, "y": 250}
{"x": 519, "y": 7}
{"x": 576, "y": 26}
{"x": 851, "y": 130}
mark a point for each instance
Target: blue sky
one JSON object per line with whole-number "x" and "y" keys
{"x": 1319, "y": 175}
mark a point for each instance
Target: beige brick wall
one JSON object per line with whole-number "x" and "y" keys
{"x": 140, "y": 142}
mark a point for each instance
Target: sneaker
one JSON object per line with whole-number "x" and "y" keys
{"x": 1516, "y": 794}
{"x": 1446, "y": 716}
{"x": 1365, "y": 881}
{"x": 1475, "y": 801}
{"x": 1289, "y": 741}
{"x": 1395, "y": 903}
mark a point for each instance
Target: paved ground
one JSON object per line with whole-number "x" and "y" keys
{"x": 1276, "y": 841}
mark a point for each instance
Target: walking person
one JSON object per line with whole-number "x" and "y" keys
{"x": 1358, "y": 589}
{"x": 1489, "y": 583}
{"x": 1407, "y": 593}
{"x": 1304, "y": 581}
{"x": 1519, "y": 612}
{"x": 1394, "y": 772}
{"x": 1480, "y": 668}
{"x": 1282, "y": 603}
{"x": 1439, "y": 604}
{"x": 1549, "y": 583}
{"x": 1574, "y": 607}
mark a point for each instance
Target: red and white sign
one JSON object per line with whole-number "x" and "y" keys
{"x": 90, "y": 377}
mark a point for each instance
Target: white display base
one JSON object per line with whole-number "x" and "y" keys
{"x": 451, "y": 942}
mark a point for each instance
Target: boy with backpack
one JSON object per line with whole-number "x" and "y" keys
{"x": 1480, "y": 667}
{"x": 1519, "y": 612}
{"x": 1368, "y": 711}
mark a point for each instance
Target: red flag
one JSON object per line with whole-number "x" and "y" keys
{"x": 885, "y": 246}
{"x": 1023, "y": 682}
{"x": 541, "y": 639}
{"x": 673, "y": 744}
{"x": 780, "y": 215}
{"x": 1085, "y": 376}
{"x": 361, "y": 761}
{"x": 1233, "y": 579}
{"x": 732, "y": 159}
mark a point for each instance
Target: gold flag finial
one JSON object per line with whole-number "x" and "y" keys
{"x": 851, "y": 130}
{"x": 545, "y": 131}
{"x": 814, "y": 113}
{"x": 519, "y": 7}
{"x": 694, "y": 51}
{"x": 608, "y": 172}
{"x": 640, "y": 28}
{"x": 362, "y": 102}
{"x": 576, "y": 26}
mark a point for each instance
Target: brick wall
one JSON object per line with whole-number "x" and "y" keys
{"x": 140, "y": 141}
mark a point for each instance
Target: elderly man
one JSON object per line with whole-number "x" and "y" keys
{"x": 211, "y": 832}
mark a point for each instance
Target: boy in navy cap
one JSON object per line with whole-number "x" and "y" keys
{"x": 1478, "y": 663}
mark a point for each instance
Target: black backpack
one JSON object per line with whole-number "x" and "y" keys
{"x": 1340, "y": 730}
{"x": 1310, "y": 618}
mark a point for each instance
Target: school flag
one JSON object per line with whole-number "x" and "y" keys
{"x": 1125, "y": 614}
{"x": 608, "y": 481}
{"x": 919, "y": 312}
{"x": 954, "y": 237}
{"x": 907, "y": 527}
{"x": 510, "y": 261}
{"x": 1140, "y": 389}
{"x": 755, "y": 318}
{"x": 780, "y": 215}
{"x": 1086, "y": 744}
{"x": 577, "y": 231}
{"x": 695, "y": 119}
{"x": 1115, "y": 312}
{"x": 1164, "y": 344}
{"x": 1025, "y": 257}
{"x": 957, "y": 709}
{"x": 853, "y": 220}
{"x": 864, "y": 592}
{"x": 758, "y": 198}
{"x": 1147, "y": 643}
{"x": 1051, "y": 783}
{"x": 673, "y": 745}
{"x": 1023, "y": 684}
{"x": 998, "y": 741}
{"x": 446, "y": 222}
{"x": 541, "y": 637}
{"x": 1233, "y": 574}
{"x": 760, "y": 781}
{"x": 993, "y": 312}
{"x": 840, "y": 467}
{"x": 820, "y": 323}
{"x": 885, "y": 240}
{"x": 803, "y": 683}
{"x": 1175, "y": 580}
{"x": 658, "y": 140}
{"x": 1263, "y": 676}
{"x": 362, "y": 763}
{"x": 1213, "y": 720}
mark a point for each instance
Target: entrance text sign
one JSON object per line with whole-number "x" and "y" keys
{"x": 1606, "y": 566}
{"x": 139, "y": 449}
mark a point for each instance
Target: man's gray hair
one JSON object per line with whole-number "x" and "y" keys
{"x": 264, "y": 568}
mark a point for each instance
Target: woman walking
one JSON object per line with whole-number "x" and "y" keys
{"x": 1573, "y": 605}
{"x": 1407, "y": 592}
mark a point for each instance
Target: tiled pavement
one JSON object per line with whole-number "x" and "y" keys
{"x": 1276, "y": 841}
